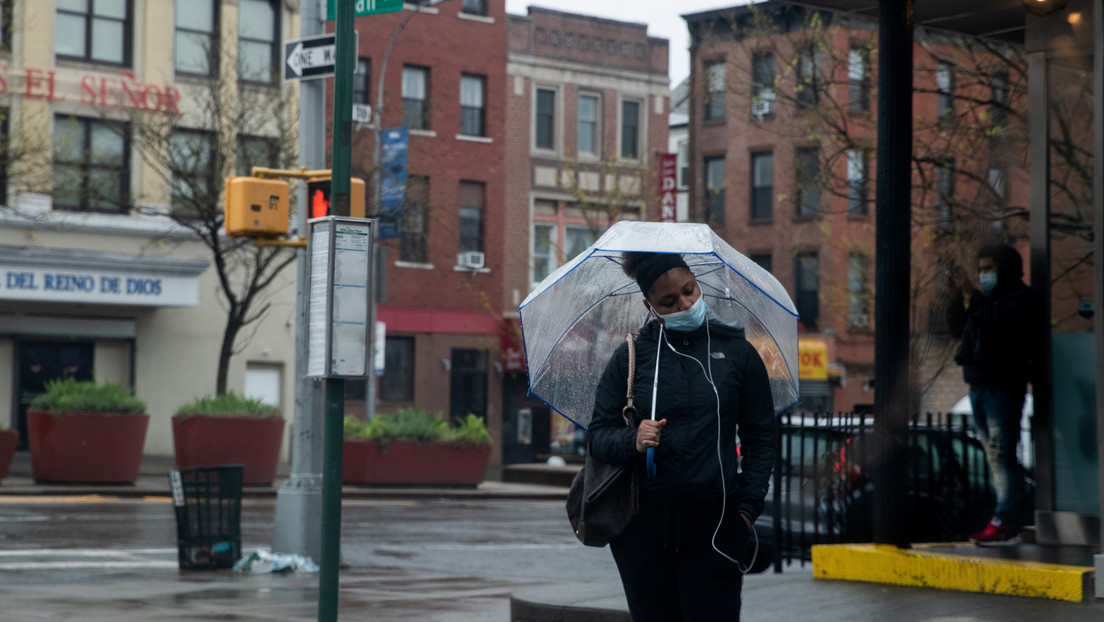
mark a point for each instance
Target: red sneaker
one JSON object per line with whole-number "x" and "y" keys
{"x": 996, "y": 534}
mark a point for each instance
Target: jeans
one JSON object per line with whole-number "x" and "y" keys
{"x": 997, "y": 415}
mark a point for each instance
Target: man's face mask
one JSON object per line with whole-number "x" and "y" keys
{"x": 988, "y": 281}
{"x": 688, "y": 320}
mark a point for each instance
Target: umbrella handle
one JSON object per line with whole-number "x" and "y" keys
{"x": 651, "y": 462}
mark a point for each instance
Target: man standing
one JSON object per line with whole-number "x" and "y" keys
{"x": 996, "y": 328}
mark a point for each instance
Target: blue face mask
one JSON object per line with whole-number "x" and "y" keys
{"x": 688, "y": 320}
{"x": 988, "y": 281}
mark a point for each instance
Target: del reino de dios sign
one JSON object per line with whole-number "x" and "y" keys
{"x": 96, "y": 286}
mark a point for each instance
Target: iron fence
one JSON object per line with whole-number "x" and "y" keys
{"x": 822, "y": 490}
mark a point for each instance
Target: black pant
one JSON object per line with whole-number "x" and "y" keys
{"x": 669, "y": 569}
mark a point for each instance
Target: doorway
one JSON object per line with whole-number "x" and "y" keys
{"x": 40, "y": 362}
{"x": 468, "y": 383}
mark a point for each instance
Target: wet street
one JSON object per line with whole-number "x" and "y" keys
{"x": 402, "y": 560}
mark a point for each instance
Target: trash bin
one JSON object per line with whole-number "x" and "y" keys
{"x": 207, "y": 501}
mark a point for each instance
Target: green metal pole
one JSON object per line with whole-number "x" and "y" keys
{"x": 345, "y": 40}
{"x": 331, "y": 500}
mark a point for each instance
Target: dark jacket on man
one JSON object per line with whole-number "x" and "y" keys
{"x": 687, "y": 469}
{"x": 996, "y": 329}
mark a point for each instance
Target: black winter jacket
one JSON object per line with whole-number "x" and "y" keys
{"x": 687, "y": 469}
{"x": 997, "y": 334}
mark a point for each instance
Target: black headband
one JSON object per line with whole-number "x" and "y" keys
{"x": 656, "y": 266}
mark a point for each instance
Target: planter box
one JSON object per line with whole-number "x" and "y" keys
{"x": 9, "y": 439}
{"x": 86, "y": 447}
{"x": 406, "y": 462}
{"x": 254, "y": 443}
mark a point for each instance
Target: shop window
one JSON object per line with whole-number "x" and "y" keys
{"x": 96, "y": 32}
{"x": 415, "y": 98}
{"x": 196, "y": 39}
{"x": 258, "y": 40}
{"x": 91, "y": 165}
{"x": 397, "y": 382}
{"x": 468, "y": 383}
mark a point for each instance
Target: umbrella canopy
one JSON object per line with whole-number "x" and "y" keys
{"x": 574, "y": 320}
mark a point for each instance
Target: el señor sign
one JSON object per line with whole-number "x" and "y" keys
{"x": 122, "y": 91}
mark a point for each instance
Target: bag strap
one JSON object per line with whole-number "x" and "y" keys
{"x": 629, "y": 390}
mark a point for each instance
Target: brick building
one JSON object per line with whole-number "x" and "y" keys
{"x": 443, "y": 82}
{"x": 782, "y": 138}
{"x": 587, "y": 101}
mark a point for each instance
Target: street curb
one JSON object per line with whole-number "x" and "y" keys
{"x": 917, "y": 567}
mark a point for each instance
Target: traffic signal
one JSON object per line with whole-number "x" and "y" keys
{"x": 256, "y": 207}
{"x": 320, "y": 204}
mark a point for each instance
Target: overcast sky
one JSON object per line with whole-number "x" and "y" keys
{"x": 661, "y": 16}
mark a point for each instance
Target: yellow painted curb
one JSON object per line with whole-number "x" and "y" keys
{"x": 883, "y": 563}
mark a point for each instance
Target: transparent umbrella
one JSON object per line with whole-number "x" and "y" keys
{"x": 574, "y": 320}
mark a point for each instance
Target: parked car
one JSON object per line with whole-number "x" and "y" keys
{"x": 823, "y": 489}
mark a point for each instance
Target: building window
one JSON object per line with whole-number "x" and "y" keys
{"x": 472, "y": 109}
{"x": 544, "y": 250}
{"x": 91, "y": 165}
{"x": 474, "y": 7}
{"x": 858, "y": 79}
{"x": 714, "y": 100}
{"x": 5, "y": 141}
{"x": 546, "y": 119}
{"x": 944, "y": 88}
{"x": 856, "y": 182}
{"x": 762, "y": 185}
{"x": 258, "y": 40}
{"x": 762, "y": 81}
{"x": 763, "y": 260}
{"x": 807, "y": 173}
{"x": 630, "y": 130}
{"x": 858, "y": 293}
{"x": 806, "y": 266}
{"x": 362, "y": 82}
{"x": 257, "y": 151}
{"x": 944, "y": 190}
{"x": 96, "y": 31}
{"x": 412, "y": 246}
{"x": 5, "y": 24}
{"x": 473, "y": 196}
{"x": 998, "y": 111}
{"x": 683, "y": 165}
{"x": 397, "y": 382}
{"x": 808, "y": 77}
{"x": 588, "y": 125}
{"x": 196, "y": 37}
{"x": 191, "y": 153}
{"x": 715, "y": 190}
{"x": 559, "y": 235}
{"x": 415, "y": 96}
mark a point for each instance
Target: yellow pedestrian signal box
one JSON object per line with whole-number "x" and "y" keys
{"x": 319, "y": 203}
{"x": 256, "y": 207}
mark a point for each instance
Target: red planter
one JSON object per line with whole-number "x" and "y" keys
{"x": 9, "y": 439}
{"x": 86, "y": 447}
{"x": 212, "y": 441}
{"x": 405, "y": 462}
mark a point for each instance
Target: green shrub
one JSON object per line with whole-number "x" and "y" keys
{"x": 70, "y": 395}
{"x": 228, "y": 405}
{"x": 419, "y": 426}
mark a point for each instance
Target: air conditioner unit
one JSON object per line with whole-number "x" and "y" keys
{"x": 471, "y": 259}
{"x": 762, "y": 107}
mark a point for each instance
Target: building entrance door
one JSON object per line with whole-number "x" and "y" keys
{"x": 39, "y": 362}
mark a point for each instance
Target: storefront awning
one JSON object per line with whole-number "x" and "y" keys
{"x": 450, "y": 321}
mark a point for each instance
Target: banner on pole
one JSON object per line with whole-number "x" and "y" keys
{"x": 394, "y": 145}
{"x": 668, "y": 187}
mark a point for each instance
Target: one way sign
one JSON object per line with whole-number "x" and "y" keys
{"x": 311, "y": 58}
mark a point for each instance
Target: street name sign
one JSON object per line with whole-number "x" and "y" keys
{"x": 311, "y": 58}
{"x": 365, "y": 7}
